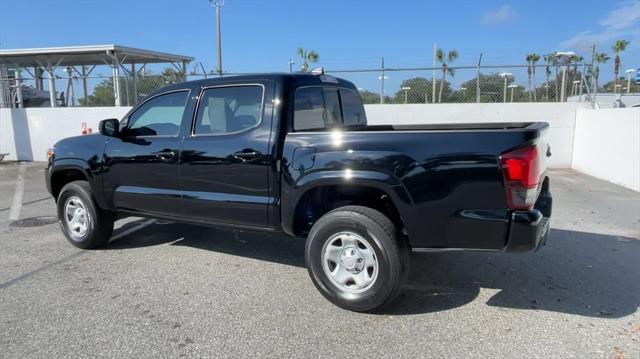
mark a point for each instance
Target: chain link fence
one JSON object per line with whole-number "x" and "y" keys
{"x": 466, "y": 84}
{"x": 516, "y": 83}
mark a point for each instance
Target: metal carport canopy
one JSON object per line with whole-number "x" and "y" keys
{"x": 86, "y": 55}
{"x": 49, "y": 58}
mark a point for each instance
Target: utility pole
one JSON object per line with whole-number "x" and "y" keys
{"x": 218, "y": 4}
{"x": 629, "y": 73}
{"x": 433, "y": 75}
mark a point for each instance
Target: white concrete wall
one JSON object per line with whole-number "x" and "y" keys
{"x": 560, "y": 116}
{"x": 607, "y": 145}
{"x": 27, "y": 133}
{"x": 604, "y": 143}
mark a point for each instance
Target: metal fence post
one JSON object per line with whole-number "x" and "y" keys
{"x": 478, "y": 79}
{"x": 433, "y": 75}
{"x": 582, "y": 82}
{"x": 382, "y": 83}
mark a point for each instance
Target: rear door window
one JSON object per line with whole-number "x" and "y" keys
{"x": 228, "y": 109}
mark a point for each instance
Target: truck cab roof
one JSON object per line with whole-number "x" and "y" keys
{"x": 293, "y": 79}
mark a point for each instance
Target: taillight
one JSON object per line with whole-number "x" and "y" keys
{"x": 521, "y": 168}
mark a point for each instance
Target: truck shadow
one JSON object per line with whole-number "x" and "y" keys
{"x": 576, "y": 273}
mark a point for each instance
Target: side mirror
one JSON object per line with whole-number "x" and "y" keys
{"x": 109, "y": 127}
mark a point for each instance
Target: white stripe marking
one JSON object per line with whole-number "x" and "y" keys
{"x": 18, "y": 194}
{"x": 133, "y": 229}
{"x": 174, "y": 241}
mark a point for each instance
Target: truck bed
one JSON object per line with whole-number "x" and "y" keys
{"x": 454, "y": 126}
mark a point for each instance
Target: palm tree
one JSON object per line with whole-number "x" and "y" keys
{"x": 573, "y": 72}
{"x": 550, "y": 59}
{"x": 575, "y": 59}
{"x": 307, "y": 56}
{"x": 600, "y": 58}
{"x": 618, "y": 47}
{"x": 451, "y": 57}
{"x": 531, "y": 71}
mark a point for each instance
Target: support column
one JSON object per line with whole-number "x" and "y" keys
{"x": 84, "y": 83}
{"x": 116, "y": 79}
{"x": 19, "y": 88}
{"x": 38, "y": 75}
{"x": 70, "y": 100}
{"x": 52, "y": 85}
{"x": 135, "y": 83}
{"x": 184, "y": 69}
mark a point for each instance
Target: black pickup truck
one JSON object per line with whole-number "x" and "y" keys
{"x": 294, "y": 153}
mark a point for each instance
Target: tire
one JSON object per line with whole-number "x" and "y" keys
{"x": 335, "y": 245}
{"x": 86, "y": 226}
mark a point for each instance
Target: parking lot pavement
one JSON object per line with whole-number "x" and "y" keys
{"x": 167, "y": 290}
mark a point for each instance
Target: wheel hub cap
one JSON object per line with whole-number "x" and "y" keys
{"x": 76, "y": 217}
{"x": 352, "y": 260}
{"x": 349, "y": 262}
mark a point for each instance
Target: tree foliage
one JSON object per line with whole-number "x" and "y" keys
{"x": 307, "y": 56}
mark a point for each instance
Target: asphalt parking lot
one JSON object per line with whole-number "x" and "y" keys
{"x": 169, "y": 290}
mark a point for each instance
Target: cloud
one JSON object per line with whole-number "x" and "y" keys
{"x": 503, "y": 14}
{"x": 621, "y": 22}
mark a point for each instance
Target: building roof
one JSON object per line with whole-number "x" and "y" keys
{"x": 86, "y": 55}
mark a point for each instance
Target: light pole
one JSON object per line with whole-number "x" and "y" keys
{"x": 291, "y": 63}
{"x": 629, "y": 72}
{"x": 464, "y": 93}
{"x": 218, "y": 4}
{"x": 505, "y": 75}
{"x": 574, "y": 88}
{"x": 405, "y": 88}
{"x": 512, "y": 86}
{"x": 563, "y": 58}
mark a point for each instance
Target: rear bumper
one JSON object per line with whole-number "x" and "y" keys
{"x": 528, "y": 230}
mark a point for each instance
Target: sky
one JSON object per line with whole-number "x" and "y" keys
{"x": 261, "y": 35}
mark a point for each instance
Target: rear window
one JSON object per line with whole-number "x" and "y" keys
{"x": 318, "y": 107}
{"x": 308, "y": 109}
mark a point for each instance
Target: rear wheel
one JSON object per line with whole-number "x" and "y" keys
{"x": 354, "y": 257}
{"x": 83, "y": 223}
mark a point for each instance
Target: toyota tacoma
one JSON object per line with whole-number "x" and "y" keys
{"x": 294, "y": 153}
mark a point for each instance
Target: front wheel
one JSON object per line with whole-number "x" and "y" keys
{"x": 355, "y": 258}
{"x": 84, "y": 224}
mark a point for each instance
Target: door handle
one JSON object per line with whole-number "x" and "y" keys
{"x": 247, "y": 155}
{"x": 165, "y": 155}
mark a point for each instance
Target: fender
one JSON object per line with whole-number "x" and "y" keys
{"x": 79, "y": 165}
{"x": 379, "y": 180}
